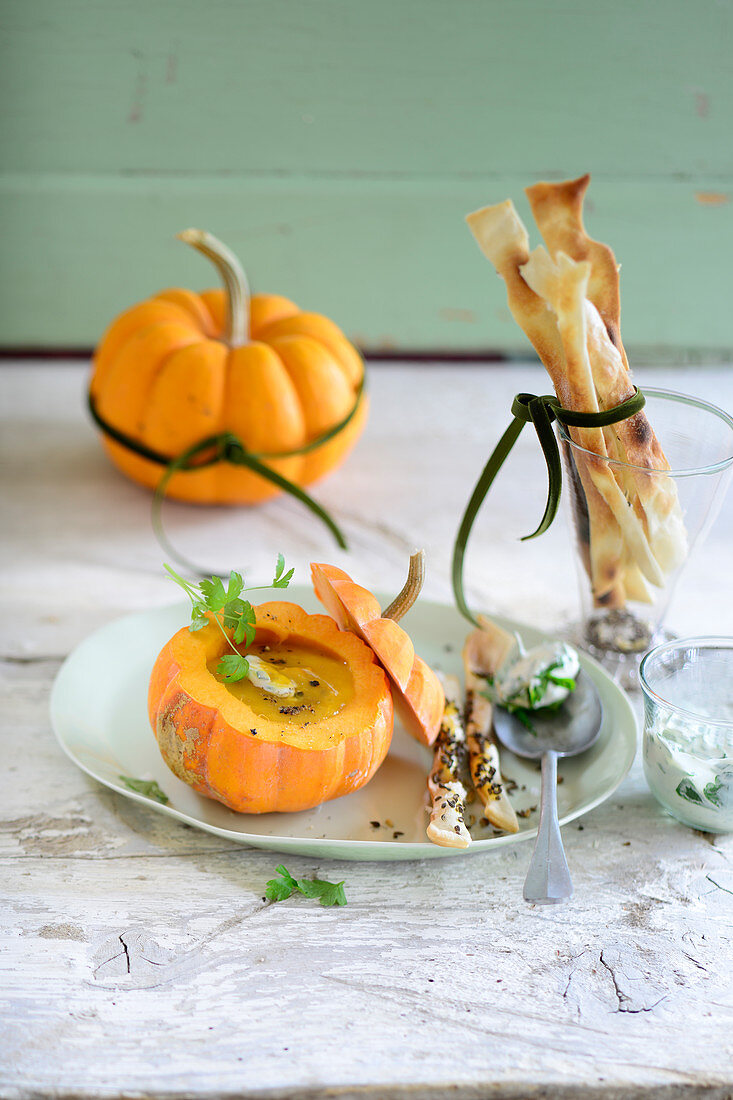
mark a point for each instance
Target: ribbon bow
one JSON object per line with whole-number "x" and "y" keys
{"x": 528, "y": 408}
{"x": 225, "y": 447}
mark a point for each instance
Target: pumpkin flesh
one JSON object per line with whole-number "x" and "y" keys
{"x": 256, "y": 757}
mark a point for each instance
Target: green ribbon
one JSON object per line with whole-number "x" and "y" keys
{"x": 528, "y": 408}
{"x": 225, "y": 447}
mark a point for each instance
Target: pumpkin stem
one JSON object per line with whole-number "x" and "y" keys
{"x": 235, "y": 282}
{"x": 402, "y": 603}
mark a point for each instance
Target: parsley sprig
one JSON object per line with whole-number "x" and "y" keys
{"x": 235, "y": 616}
{"x": 279, "y": 889}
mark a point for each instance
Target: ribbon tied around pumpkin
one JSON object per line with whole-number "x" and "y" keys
{"x": 540, "y": 411}
{"x": 234, "y": 331}
{"x": 226, "y": 447}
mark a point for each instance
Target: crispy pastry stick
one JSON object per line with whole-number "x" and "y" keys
{"x": 503, "y": 239}
{"x": 558, "y": 211}
{"x": 447, "y": 825}
{"x": 484, "y": 652}
{"x": 654, "y": 498}
{"x": 563, "y": 284}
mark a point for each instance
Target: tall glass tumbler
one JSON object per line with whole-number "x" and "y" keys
{"x": 623, "y": 609}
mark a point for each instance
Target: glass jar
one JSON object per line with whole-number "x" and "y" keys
{"x": 688, "y": 730}
{"x": 620, "y": 625}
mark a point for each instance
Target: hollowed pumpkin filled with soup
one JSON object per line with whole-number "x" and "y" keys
{"x": 312, "y": 722}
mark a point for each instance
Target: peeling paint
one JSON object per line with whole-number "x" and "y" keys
{"x": 465, "y": 316}
{"x": 171, "y": 69}
{"x": 702, "y": 104}
{"x": 712, "y": 198}
{"x": 66, "y": 931}
{"x": 139, "y": 90}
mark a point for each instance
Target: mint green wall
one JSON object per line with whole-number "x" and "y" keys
{"x": 337, "y": 144}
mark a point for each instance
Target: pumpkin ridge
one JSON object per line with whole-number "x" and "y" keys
{"x": 238, "y": 362}
{"x": 161, "y": 678}
{"x": 192, "y": 304}
{"x": 214, "y": 298}
{"x": 341, "y": 394}
{"x": 326, "y": 332}
{"x": 154, "y": 381}
{"x": 123, "y": 400}
{"x": 123, "y": 329}
{"x": 138, "y": 333}
{"x": 276, "y": 305}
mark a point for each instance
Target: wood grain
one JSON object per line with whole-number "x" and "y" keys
{"x": 139, "y": 957}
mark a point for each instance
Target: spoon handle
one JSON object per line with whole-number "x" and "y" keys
{"x": 548, "y": 879}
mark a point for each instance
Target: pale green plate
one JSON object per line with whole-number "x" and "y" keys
{"x": 98, "y": 713}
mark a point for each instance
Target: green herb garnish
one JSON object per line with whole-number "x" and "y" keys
{"x": 525, "y": 715}
{"x": 563, "y": 681}
{"x": 535, "y": 692}
{"x": 686, "y": 789}
{"x": 548, "y": 676}
{"x": 210, "y": 599}
{"x": 329, "y": 893}
{"x": 148, "y": 787}
{"x": 712, "y": 791}
{"x": 522, "y": 714}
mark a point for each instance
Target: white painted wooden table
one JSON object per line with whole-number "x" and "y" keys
{"x": 138, "y": 956}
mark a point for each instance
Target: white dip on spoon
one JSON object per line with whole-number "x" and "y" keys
{"x": 540, "y": 677}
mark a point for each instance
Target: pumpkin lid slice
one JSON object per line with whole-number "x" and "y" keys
{"x": 418, "y": 694}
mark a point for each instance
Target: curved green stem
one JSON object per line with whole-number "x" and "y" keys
{"x": 528, "y": 408}
{"x": 235, "y": 282}
{"x": 402, "y": 603}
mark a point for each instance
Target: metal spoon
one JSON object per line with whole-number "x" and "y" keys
{"x": 565, "y": 732}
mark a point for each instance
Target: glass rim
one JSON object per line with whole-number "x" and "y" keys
{"x": 703, "y": 641}
{"x": 665, "y": 395}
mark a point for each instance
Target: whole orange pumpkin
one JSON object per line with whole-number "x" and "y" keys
{"x": 181, "y": 367}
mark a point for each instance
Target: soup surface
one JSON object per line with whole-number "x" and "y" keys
{"x": 322, "y": 683}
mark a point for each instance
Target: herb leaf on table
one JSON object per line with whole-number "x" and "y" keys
{"x": 330, "y": 893}
{"x": 211, "y": 599}
{"x": 279, "y": 889}
{"x": 147, "y": 787}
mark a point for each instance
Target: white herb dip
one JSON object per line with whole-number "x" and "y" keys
{"x": 689, "y": 768}
{"x": 529, "y": 681}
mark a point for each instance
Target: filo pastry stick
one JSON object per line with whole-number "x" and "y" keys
{"x": 558, "y": 211}
{"x": 484, "y": 652}
{"x": 447, "y": 825}
{"x": 563, "y": 284}
{"x": 503, "y": 239}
